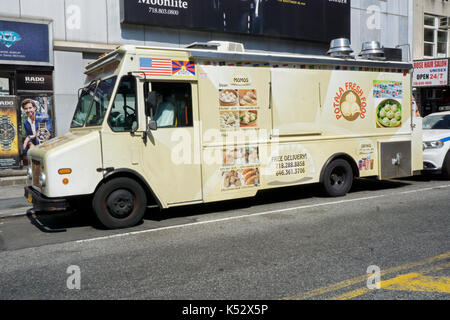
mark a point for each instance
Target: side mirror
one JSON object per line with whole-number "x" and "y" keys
{"x": 151, "y": 126}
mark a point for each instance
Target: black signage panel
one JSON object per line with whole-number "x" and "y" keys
{"x": 34, "y": 81}
{"x": 313, "y": 20}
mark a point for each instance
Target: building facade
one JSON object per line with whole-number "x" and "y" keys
{"x": 431, "y": 55}
{"x": 81, "y": 30}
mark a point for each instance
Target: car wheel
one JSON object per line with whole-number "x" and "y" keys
{"x": 446, "y": 165}
{"x": 119, "y": 203}
{"x": 337, "y": 178}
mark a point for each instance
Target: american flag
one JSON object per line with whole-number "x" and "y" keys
{"x": 156, "y": 67}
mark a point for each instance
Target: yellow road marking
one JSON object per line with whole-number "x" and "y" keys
{"x": 353, "y": 281}
{"x": 408, "y": 282}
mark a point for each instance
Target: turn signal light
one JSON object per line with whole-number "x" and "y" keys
{"x": 65, "y": 171}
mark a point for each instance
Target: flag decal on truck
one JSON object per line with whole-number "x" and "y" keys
{"x": 156, "y": 67}
{"x": 166, "y": 67}
{"x": 183, "y": 68}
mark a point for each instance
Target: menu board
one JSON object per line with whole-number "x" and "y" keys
{"x": 238, "y": 111}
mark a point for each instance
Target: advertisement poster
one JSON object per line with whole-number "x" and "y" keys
{"x": 9, "y": 146}
{"x": 20, "y": 41}
{"x": 315, "y": 20}
{"x": 36, "y": 124}
{"x": 388, "y": 100}
{"x": 430, "y": 73}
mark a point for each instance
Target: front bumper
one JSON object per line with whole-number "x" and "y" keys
{"x": 42, "y": 203}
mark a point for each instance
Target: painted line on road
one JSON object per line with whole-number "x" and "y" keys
{"x": 415, "y": 281}
{"x": 354, "y": 281}
{"x": 244, "y": 216}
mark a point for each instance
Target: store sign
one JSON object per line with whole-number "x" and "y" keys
{"x": 23, "y": 41}
{"x": 315, "y": 20}
{"x": 430, "y": 73}
{"x": 34, "y": 81}
{"x": 9, "y": 141}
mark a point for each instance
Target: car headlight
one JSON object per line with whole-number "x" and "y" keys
{"x": 30, "y": 172}
{"x": 433, "y": 145}
{"x": 42, "y": 179}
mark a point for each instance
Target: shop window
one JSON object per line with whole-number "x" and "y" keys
{"x": 435, "y": 37}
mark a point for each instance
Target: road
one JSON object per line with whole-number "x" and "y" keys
{"x": 285, "y": 244}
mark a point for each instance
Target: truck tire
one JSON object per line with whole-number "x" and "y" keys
{"x": 120, "y": 203}
{"x": 337, "y": 178}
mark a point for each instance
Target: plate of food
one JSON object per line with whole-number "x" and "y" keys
{"x": 389, "y": 114}
{"x": 248, "y": 118}
{"x": 247, "y": 98}
{"x": 229, "y": 119}
{"x": 228, "y": 98}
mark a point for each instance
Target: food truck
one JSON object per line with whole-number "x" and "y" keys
{"x": 174, "y": 127}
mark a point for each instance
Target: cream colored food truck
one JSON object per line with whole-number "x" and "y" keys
{"x": 174, "y": 127}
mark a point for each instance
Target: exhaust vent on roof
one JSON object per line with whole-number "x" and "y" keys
{"x": 340, "y": 48}
{"x": 372, "y": 51}
{"x": 223, "y": 46}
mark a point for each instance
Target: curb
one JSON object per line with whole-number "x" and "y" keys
{"x": 18, "y": 212}
{"x": 13, "y": 181}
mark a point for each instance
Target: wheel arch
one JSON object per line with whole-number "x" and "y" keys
{"x": 128, "y": 173}
{"x": 345, "y": 157}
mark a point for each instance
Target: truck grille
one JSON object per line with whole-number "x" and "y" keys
{"x": 37, "y": 167}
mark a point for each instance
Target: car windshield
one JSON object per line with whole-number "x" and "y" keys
{"x": 93, "y": 103}
{"x": 437, "y": 122}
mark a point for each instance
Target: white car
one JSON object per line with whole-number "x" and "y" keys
{"x": 436, "y": 142}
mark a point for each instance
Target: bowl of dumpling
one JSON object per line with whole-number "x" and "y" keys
{"x": 389, "y": 114}
{"x": 350, "y": 106}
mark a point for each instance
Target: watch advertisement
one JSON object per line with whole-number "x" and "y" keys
{"x": 36, "y": 120}
{"x": 9, "y": 146}
{"x": 313, "y": 20}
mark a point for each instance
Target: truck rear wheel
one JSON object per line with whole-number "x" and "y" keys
{"x": 337, "y": 178}
{"x": 120, "y": 203}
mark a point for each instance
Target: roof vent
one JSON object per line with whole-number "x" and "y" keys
{"x": 227, "y": 46}
{"x": 372, "y": 51}
{"x": 223, "y": 46}
{"x": 340, "y": 48}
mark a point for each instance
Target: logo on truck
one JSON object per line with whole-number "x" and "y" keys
{"x": 350, "y": 102}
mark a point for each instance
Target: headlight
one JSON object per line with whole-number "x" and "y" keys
{"x": 42, "y": 179}
{"x": 30, "y": 172}
{"x": 433, "y": 145}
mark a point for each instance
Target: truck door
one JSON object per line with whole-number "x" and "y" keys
{"x": 171, "y": 154}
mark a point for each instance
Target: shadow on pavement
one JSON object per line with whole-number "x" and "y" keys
{"x": 267, "y": 197}
{"x": 56, "y": 222}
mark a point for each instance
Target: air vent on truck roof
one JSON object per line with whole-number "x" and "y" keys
{"x": 372, "y": 50}
{"x": 223, "y": 46}
{"x": 340, "y": 48}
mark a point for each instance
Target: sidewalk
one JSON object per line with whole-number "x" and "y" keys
{"x": 13, "y": 177}
{"x": 12, "y": 199}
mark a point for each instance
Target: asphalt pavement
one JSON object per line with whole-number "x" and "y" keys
{"x": 288, "y": 244}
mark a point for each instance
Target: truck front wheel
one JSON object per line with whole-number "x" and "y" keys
{"x": 119, "y": 203}
{"x": 338, "y": 178}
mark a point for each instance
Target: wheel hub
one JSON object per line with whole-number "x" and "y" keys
{"x": 120, "y": 203}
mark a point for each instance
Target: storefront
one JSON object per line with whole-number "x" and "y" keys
{"x": 431, "y": 85}
{"x": 26, "y": 72}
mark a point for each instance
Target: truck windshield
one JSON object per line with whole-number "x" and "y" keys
{"x": 93, "y": 103}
